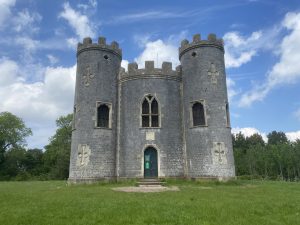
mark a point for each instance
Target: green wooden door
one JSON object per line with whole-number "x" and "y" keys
{"x": 150, "y": 163}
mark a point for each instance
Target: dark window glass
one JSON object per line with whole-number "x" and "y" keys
{"x": 150, "y": 116}
{"x": 103, "y": 116}
{"x": 154, "y": 107}
{"x": 74, "y": 117}
{"x": 145, "y": 107}
{"x": 154, "y": 121}
{"x": 227, "y": 116}
{"x": 198, "y": 114}
{"x": 145, "y": 121}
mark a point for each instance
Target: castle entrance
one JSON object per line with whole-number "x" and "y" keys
{"x": 150, "y": 163}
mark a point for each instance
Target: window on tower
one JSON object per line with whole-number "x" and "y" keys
{"x": 198, "y": 114}
{"x": 227, "y": 116}
{"x": 150, "y": 112}
{"x": 103, "y": 115}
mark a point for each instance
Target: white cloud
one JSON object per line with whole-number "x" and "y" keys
{"x": 249, "y": 131}
{"x": 52, "y": 59}
{"x": 158, "y": 51}
{"x": 79, "y": 22}
{"x": 293, "y": 136}
{"x": 287, "y": 69}
{"x": 91, "y": 4}
{"x": 27, "y": 43}
{"x": 5, "y": 10}
{"x": 37, "y": 102}
{"x": 124, "y": 64}
{"x": 231, "y": 88}
{"x": 24, "y": 21}
{"x": 238, "y": 49}
{"x": 9, "y": 72}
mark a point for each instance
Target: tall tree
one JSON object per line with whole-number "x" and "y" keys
{"x": 277, "y": 138}
{"x": 12, "y": 132}
{"x": 57, "y": 154}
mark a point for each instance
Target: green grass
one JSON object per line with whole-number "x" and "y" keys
{"x": 237, "y": 202}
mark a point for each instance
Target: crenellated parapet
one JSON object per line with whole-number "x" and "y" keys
{"x": 88, "y": 44}
{"x": 212, "y": 41}
{"x": 165, "y": 72}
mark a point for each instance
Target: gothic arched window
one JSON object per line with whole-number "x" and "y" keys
{"x": 150, "y": 112}
{"x": 198, "y": 114}
{"x": 103, "y": 116}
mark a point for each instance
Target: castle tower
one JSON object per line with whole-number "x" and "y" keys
{"x": 93, "y": 150}
{"x": 207, "y": 132}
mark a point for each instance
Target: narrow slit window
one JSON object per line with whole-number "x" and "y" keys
{"x": 227, "y": 116}
{"x": 74, "y": 117}
{"x": 198, "y": 114}
{"x": 103, "y": 116}
{"x": 150, "y": 112}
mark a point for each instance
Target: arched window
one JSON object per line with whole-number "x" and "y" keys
{"x": 198, "y": 114}
{"x": 150, "y": 112}
{"x": 103, "y": 116}
{"x": 227, "y": 116}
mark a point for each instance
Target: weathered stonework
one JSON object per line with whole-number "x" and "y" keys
{"x": 182, "y": 149}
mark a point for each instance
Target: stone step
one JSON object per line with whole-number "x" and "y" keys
{"x": 150, "y": 182}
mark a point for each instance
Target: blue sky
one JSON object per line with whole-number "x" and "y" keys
{"x": 262, "y": 40}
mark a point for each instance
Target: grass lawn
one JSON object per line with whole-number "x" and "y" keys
{"x": 241, "y": 202}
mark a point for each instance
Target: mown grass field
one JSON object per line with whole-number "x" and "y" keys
{"x": 240, "y": 202}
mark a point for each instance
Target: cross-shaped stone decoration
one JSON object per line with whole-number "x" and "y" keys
{"x": 213, "y": 73}
{"x": 83, "y": 155}
{"x": 219, "y": 153}
{"x": 88, "y": 76}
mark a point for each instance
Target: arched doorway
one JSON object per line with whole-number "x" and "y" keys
{"x": 150, "y": 163}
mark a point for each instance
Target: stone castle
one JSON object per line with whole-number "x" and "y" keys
{"x": 151, "y": 122}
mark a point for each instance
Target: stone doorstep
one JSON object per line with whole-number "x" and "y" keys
{"x": 150, "y": 183}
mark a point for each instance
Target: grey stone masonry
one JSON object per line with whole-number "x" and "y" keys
{"x": 181, "y": 115}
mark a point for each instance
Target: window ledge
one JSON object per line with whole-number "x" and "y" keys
{"x": 199, "y": 126}
{"x": 147, "y": 128}
{"x": 103, "y": 128}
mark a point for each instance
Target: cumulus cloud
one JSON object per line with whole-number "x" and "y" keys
{"x": 158, "y": 51}
{"x": 287, "y": 69}
{"x": 249, "y": 131}
{"x": 5, "y": 10}
{"x": 293, "y": 136}
{"x": 238, "y": 49}
{"x": 124, "y": 64}
{"x": 80, "y": 23}
{"x": 37, "y": 102}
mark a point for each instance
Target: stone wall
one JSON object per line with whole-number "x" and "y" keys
{"x": 164, "y": 85}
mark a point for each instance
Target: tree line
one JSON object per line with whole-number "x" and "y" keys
{"x": 19, "y": 163}
{"x": 278, "y": 159}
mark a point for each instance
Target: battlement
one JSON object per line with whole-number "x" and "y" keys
{"x": 149, "y": 70}
{"x": 88, "y": 44}
{"x": 212, "y": 41}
